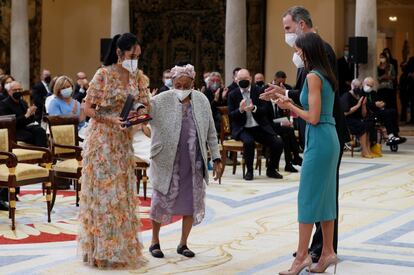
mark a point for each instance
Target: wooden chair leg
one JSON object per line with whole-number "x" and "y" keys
{"x": 234, "y": 157}
{"x": 223, "y": 160}
{"x": 43, "y": 188}
{"x": 48, "y": 186}
{"x": 144, "y": 183}
{"x": 54, "y": 193}
{"x": 138, "y": 173}
{"x": 12, "y": 206}
{"x": 77, "y": 193}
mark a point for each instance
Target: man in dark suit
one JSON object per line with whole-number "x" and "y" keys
{"x": 167, "y": 80}
{"x": 279, "y": 119}
{"x": 345, "y": 73}
{"x": 39, "y": 93}
{"x": 26, "y": 129}
{"x": 296, "y": 21}
{"x": 82, "y": 85}
{"x": 234, "y": 85}
{"x": 248, "y": 116}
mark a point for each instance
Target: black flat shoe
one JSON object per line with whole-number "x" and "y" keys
{"x": 290, "y": 168}
{"x": 248, "y": 176}
{"x": 155, "y": 251}
{"x": 273, "y": 174}
{"x": 183, "y": 250}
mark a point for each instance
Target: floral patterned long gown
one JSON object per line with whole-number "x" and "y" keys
{"x": 109, "y": 221}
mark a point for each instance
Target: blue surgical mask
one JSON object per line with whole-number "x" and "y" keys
{"x": 215, "y": 86}
{"x": 66, "y": 93}
{"x": 168, "y": 83}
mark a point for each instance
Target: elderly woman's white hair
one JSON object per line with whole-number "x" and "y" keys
{"x": 187, "y": 70}
{"x": 355, "y": 83}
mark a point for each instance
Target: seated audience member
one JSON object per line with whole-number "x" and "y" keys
{"x": 81, "y": 86}
{"x": 234, "y": 85}
{"x": 382, "y": 112}
{"x": 279, "y": 119}
{"x": 204, "y": 85}
{"x": 63, "y": 104}
{"x": 280, "y": 80}
{"x": 5, "y": 85}
{"x": 40, "y": 91}
{"x": 217, "y": 95}
{"x": 26, "y": 130}
{"x": 249, "y": 123}
{"x": 357, "y": 118}
{"x": 259, "y": 81}
{"x": 167, "y": 80}
{"x": 52, "y": 96}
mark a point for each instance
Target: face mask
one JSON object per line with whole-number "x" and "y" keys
{"x": 260, "y": 83}
{"x": 357, "y": 91}
{"x": 367, "y": 89}
{"x": 17, "y": 95}
{"x": 297, "y": 61}
{"x": 215, "y": 86}
{"x": 66, "y": 93}
{"x": 346, "y": 54}
{"x": 48, "y": 79}
{"x": 206, "y": 80}
{"x": 168, "y": 83}
{"x": 182, "y": 94}
{"x": 131, "y": 65}
{"x": 244, "y": 84}
{"x": 383, "y": 60}
{"x": 290, "y": 39}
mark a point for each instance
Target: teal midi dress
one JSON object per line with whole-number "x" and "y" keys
{"x": 317, "y": 188}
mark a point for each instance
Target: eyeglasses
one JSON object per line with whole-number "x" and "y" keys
{"x": 17, "y": 90}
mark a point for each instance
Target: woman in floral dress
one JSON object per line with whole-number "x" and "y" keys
{"x": 109, "y": 222}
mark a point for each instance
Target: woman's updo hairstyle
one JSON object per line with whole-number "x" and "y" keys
{"x": 124, "y": 42}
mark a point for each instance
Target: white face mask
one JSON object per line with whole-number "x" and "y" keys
{"x": 297, "y": 61}
{"x": 182, "y": 94}
{"x": 66, "y": 93}
{"x": 367, "y": 89}
{"x": 131, "y": 65}
{"x": 290, "y": 39}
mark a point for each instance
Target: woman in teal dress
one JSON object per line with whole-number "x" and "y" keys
{"x": 317, "y": 188}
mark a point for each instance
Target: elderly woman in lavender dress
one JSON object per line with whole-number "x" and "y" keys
{"x": 182, "y": 127}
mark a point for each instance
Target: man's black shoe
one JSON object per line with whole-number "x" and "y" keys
{"x": 273, "y": 174}
{"x": 297, "y": 161}
{"x": 4, "y": 206}
{"x": 290, "y": 168}
{"x": 248, "y": 176}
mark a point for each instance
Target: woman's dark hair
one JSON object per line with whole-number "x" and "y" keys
{"x": 315, "y": 57}
{"x": 124, "y": 42}
{"x": 3, "y": 81}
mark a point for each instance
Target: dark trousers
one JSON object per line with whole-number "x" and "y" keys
{"x": 390, "y": 119}
{"x": 290, "y": 144}
{"x": 317, "y": 240}
{"x": 256, "y": 134}
{"x": 302, "y": 129}
{"x": 33, "y": 134}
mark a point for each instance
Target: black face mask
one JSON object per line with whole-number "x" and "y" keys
{"x": 48, "y": 79}
{"x": 17, "y": 95}
{"x": 260, "y": 83}
{"x": 359, "y": 92}
{"x": 244, "y": 84}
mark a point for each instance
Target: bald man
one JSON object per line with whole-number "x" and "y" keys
{"x": 249, "y": 123}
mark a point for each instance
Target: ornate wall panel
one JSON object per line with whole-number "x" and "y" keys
{"x": 35, "y": 23}
{"x": 191, "y": 31}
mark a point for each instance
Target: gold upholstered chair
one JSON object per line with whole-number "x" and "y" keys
{"x": 14, "y": 174}
{"x": 64, "y": 144}
{"x": 232, "y": 145}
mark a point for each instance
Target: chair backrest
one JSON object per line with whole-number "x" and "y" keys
{"x": 7, "y": 132}
{"x": 26, "y": 97}
{"x": 64, "y": 131}
{"x": 225, "y": 128}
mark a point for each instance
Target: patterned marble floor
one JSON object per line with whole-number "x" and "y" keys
{"x": 250, "y": 227}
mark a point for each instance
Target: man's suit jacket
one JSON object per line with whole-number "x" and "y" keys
{"x": 39, "y": 94}
{"x": 238, "y": 119}
{"x": 77, "y": 94}
{"x": 162, "y": 89}
{"x": 9, "y": 107}
{"x": 338, "y": 114}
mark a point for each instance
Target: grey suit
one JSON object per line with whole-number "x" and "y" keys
{"x": 166, "y": 112}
